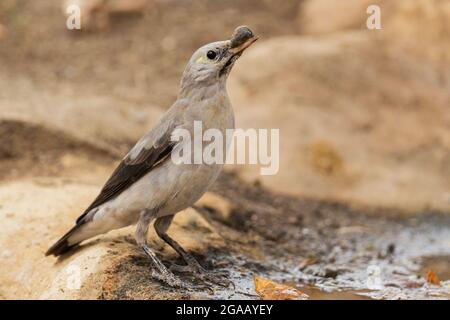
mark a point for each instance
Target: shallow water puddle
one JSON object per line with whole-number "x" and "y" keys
{"x": 438, "y": 264}
{"x": 396, "y": 282}
{"x": 317, "y": 294}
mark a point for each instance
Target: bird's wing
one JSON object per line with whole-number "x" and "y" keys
{"x": 150, "y": 151}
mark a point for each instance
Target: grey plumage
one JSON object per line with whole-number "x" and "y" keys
{"x": 147, "y": 185}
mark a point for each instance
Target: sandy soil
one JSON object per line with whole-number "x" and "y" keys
{"x": 244, "y": 229}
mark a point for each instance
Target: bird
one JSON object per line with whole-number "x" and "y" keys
{"x": 147, "y": 186}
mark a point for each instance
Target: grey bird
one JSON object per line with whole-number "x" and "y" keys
{"x": 147, "y": 185}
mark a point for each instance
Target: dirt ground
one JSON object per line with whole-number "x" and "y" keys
{"x": 363, "y": 192}
{"x": 244, "y": 229}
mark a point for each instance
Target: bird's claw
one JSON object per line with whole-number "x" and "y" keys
{"x": 215, "y": 277}
{"x": 169, "y": 279}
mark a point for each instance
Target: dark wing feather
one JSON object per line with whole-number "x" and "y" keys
{"x": 149, "y": 152}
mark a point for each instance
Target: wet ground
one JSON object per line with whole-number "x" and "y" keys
{"x": 327, "y": 250}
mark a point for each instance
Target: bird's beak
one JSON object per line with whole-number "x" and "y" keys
{"x": 241, "y": 39}
{"x": 240, "y": 48}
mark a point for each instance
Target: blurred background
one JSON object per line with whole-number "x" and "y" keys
{"x": 364, "y": 115}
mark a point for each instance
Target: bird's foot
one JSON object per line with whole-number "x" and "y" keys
{"x": 173, "y": 281}
{"x": 195, "y": 269}
{"x": 160, "y": 271}
{"x": 170, "y": 279}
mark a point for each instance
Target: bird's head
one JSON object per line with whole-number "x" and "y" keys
{"x": 212, "y": 63}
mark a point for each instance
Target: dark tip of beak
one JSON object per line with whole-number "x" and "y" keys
{"x": 240, "y": 35}
{"x": 241, "y": 39}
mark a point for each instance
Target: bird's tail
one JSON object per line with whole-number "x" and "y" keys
{"x": 62, "y": 245}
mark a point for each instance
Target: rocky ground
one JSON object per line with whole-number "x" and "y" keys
{"x": 361, "y": 199}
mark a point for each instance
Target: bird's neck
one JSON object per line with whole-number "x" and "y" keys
{"x": 202, "y": 90}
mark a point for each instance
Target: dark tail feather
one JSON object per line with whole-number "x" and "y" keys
{"x": 62, "y": 245}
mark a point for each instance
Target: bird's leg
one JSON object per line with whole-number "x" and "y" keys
{"x": 160, "y": 272}
{"x": 161, "y": 225}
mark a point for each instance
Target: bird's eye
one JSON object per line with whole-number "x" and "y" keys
{"x": 211, "y": 54}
